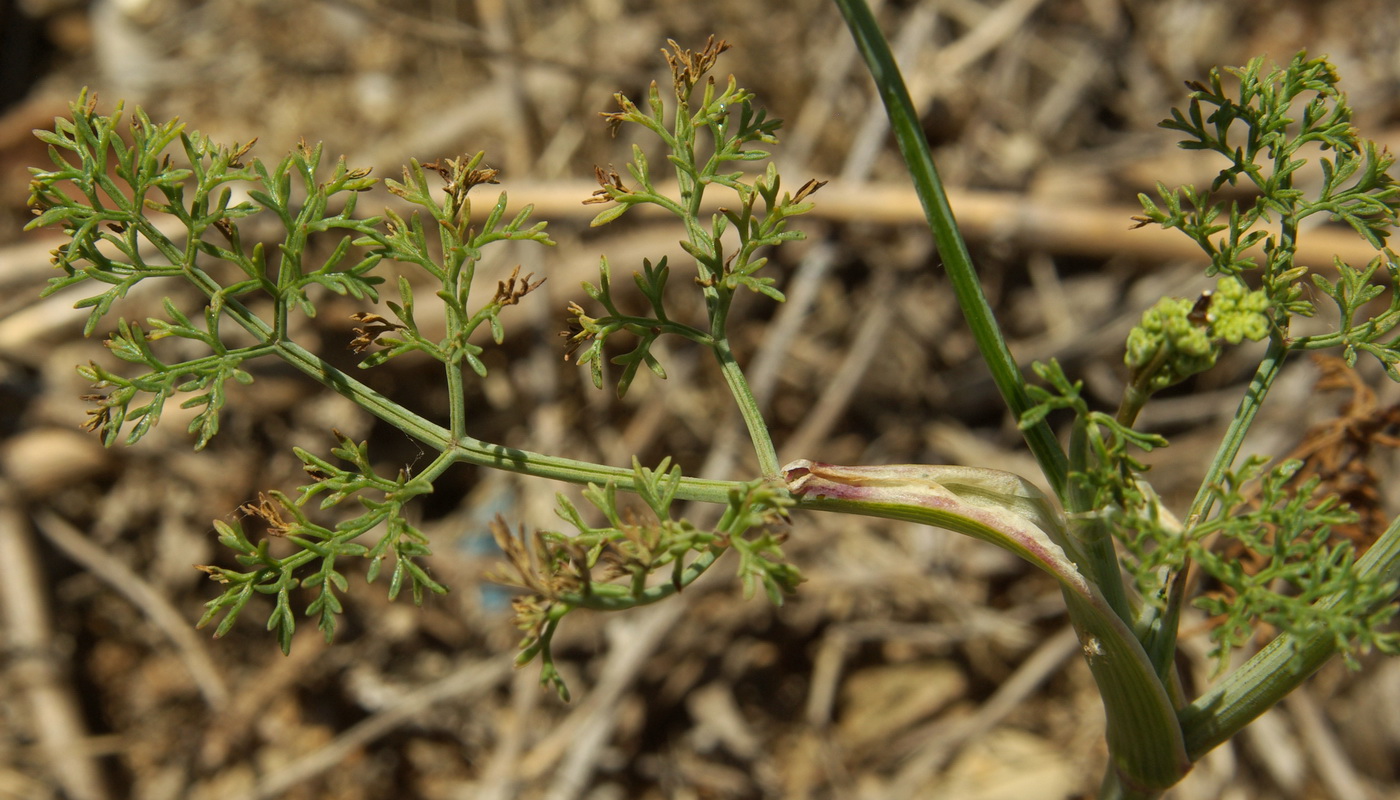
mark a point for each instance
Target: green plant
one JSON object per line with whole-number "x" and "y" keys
{"x": 107, "y": 193}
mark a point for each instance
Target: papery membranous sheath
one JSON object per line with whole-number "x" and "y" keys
{"x": 996, "y": 506}
{"x": 1007, "y": 510}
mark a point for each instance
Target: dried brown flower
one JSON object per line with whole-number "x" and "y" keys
{"x": 373, "y": 326}
{"x": 509, "y": 291}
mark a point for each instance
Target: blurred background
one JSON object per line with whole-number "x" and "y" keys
{"x": 913, "y": 663}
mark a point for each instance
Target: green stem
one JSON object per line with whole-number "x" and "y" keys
{"x": 1229, "y": 448}
{"x": 1269, "y": 367}
{"x": 692, "y": 182}
{"x": 1115, "y": 788}
{"x": 619, "y": 597}
{"x": 466, "y": 448}
{"x": 1158, "y": 626}
{"x": 951, "y": 247}
{"x": 1280, "y": 667}
{"x": 1145, "y": 739}
{"x": 748, "y": 409}
{"x": 456, "y": 398}
{"x": 482, "y": 453}
{"x": 525, "y": 462}
{"x": 1136, "y": 393}
{"x": 1091, "y": 535}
